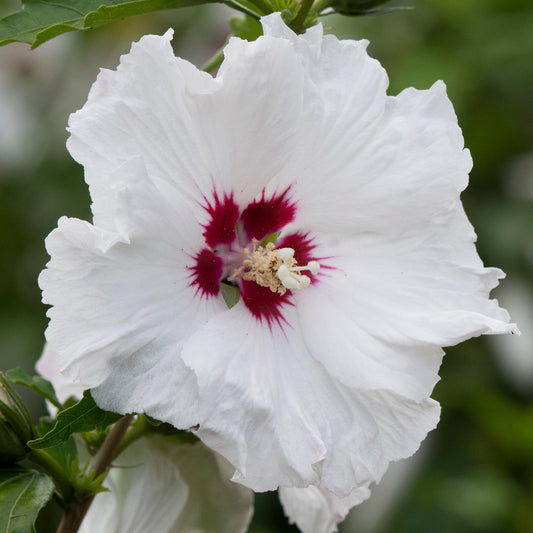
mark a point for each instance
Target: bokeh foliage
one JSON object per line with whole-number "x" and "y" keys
{"x": 476, "y": 471}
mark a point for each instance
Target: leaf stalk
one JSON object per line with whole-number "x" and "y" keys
{"x": 51, "y": 467}
{"x": 298, "y": 22}
{"x": 77, "y": 508}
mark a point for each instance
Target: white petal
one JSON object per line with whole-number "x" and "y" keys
{"x": 376, "y": 320}
{"x": 406, "y": 169}
{"x": 215, "y": 503}
{"x": 391, "y": 428}
{"x": 158, "y": 485}
{"x": 419, "y": 287}
{"x": 155, "y": 381}
{"x": 340, "y": 81}
{"x": 278, "y": 416}
{"x": 141, "y": 109}
{"x": 144, "y": 211}
{"x": 338, "y": 334}
{"x": 514, "y": 355}
{"x": 248, "y": 144}
{"x": 316, "y": 510}
{"x": 247, "y": 401}
{"x": 115, "y": 292}
{"x": 48, "y": 367}
{"x": 108, "y": 302}
{"x": 304, "y": 85}
{"x": 146, "y": 492}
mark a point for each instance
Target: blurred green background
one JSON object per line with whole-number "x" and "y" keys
{"x": 475, "y": 472}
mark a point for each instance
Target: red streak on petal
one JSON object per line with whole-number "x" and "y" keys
{"x": 302, "y": 245}
{"x": 263, "y": 303}
{"x": 266, "y": 216}
{"x": 207, "y": 272}
{"x": 224, "y": 214}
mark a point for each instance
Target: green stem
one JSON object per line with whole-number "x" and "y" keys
{"x": 320, "y": 5}
{"x": 242, "y": 9}
{"x": 263, "y": 5}
{"x": 137, "y": 430}
{"x": 214, "y": 62}
{"x": 77, "y": 508}
{"x": 109, "y": 449}
{"x": 298, "y": 22}
{"x": 252, "y": 7}
{"x": 55, "y": 471}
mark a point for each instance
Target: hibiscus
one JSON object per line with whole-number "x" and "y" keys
{"x": 277, "y": 256}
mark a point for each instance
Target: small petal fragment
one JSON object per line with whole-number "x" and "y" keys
{"x": 318, "y": 511}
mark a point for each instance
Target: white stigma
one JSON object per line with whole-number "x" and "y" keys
{"x": 289, "y": 272}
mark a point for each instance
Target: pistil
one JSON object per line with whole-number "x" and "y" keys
{"x": 273, "y": 268}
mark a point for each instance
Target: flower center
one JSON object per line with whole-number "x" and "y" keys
{"x": 249, "y": 255}
{"x": 274, "y": 268}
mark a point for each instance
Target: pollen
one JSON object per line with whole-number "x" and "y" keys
{"x": 274, "y": 268}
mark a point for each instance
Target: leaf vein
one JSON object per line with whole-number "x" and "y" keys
{"x": 10, "y": 480}
{"x": 30, "y": 481}
{"x": 62, "y": 6}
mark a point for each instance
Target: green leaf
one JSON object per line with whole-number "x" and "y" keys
{"x": 270, "y": 238}
{"x": 81, "y": 417}
{"x": 40, "y": 20}
{"x": 91, "y": 483}
{"x": 364, "y": 7}
{"x": 70, "y": 401}
{"x": 230, "y": 293}
{"x": 23, "y": 493}
{"x": 246, "y": 27}
{"x": 37, "y": 383}
{"x": 65, "y": 454}
{"x": 153, "y": 421}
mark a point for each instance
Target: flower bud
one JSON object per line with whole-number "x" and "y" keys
{"x": 15, "y": 424}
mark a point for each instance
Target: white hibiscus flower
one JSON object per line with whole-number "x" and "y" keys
{"x": 315, "y": 377}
